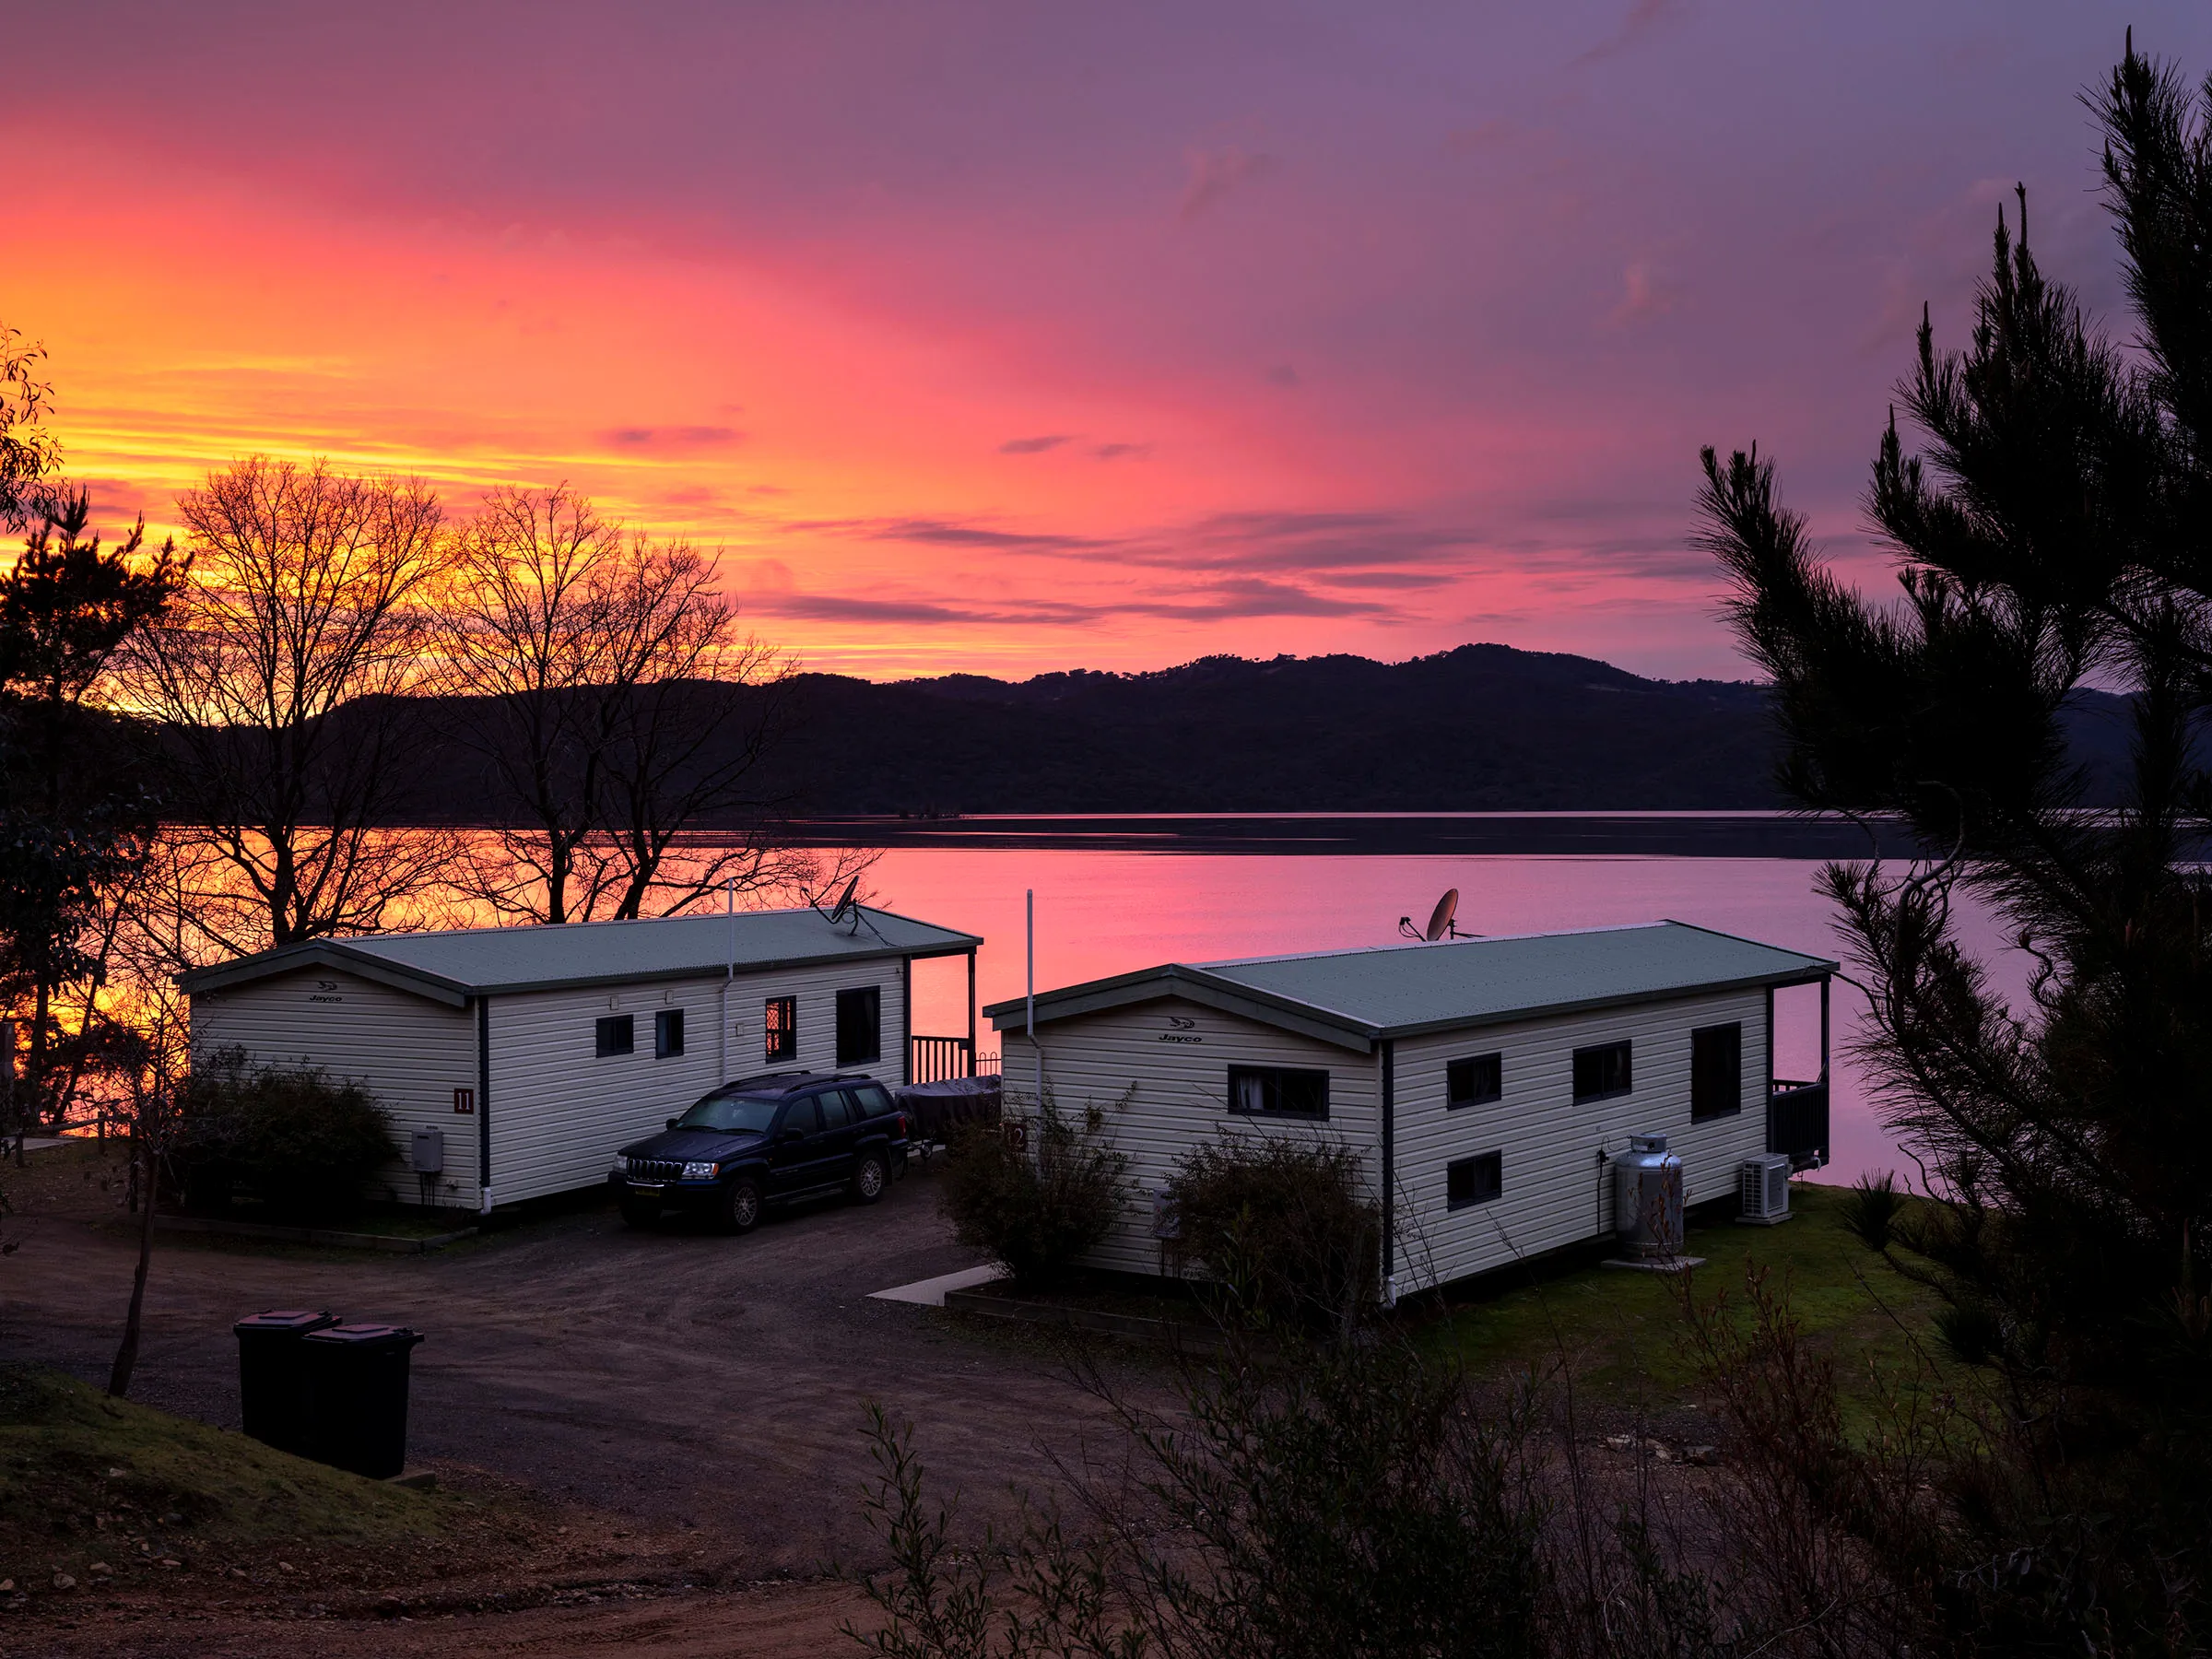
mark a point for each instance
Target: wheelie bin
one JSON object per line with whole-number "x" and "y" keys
{"x": 272, "y": 1386}
{"x": 357, "y": 1385}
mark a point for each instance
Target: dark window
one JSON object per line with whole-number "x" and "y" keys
{"x": 860, "y": 1026}
{"x": 836, "y": 1111}
{"x": 1474, "y": 1180}
{"x": 782, "y": 1028}
{"x": 1716, "y": 1072}
{"x": 1269, "y": 1091}
{"x": 1472, "y": 1081}
{"x": 1601, "y": 1071}
{"x": 667, "y": 1033}
{"x": 801, "y": 1115}
{"x": 873, "y": 1101}
{"x": 617, "y": 1035}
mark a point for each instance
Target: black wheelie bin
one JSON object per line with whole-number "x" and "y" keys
{"x": 272, "y": 1386}
{"x": 356, "y": 1384}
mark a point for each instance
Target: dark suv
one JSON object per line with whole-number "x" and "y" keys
{"x": 765, "y": 1140}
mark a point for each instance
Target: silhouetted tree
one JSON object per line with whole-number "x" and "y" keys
{"x": 281, "y": 679}
{"x": 2053, "y": 535}
{"x": 28, "y": 451}
{"x": 614, "y": 708}
{"x": 75, "y": 816}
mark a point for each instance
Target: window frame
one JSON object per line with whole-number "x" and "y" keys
{"x": 1476, "y": 1095}
{"x": 873, "y": 997}
{"x": 1475, "y": 1163}
{"x": 604, "y": 1031}
{"x": 667, "y": 1033}
{"x": 1271, "y": 1078}
{"x": 1699, "y": 1072}
{"x": 1625, "y": 1047}
{"x": 772, "y": 1028}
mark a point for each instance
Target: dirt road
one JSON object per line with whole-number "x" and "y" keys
{"x": 691, "y": 1380}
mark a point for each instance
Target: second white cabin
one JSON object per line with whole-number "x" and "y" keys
{"x": 1485, "y": 1084}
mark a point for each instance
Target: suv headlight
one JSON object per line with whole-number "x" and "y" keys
{"x": 701, "y": 1172}
{"x": 621, "y": 1165}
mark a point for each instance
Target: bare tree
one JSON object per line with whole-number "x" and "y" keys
{"x": 616, "y": 711}
{"x": 147, "y": 1062}
{"x": 281, "y": 677}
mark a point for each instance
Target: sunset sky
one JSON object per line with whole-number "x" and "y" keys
{"x": 1008, "y": 337}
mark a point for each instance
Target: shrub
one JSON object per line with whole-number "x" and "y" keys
{"x": 1037, "y": 1201}
{"x": 1871, "y": 1207}
{"x": 301, "y": 1143}
{"x": 1282, "y": 1226}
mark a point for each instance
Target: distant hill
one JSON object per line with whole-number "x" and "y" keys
{"x": 1481, "y": 728}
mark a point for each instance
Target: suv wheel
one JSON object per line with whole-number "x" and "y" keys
{"x": 740, "y": 1206}
{"x": 636, "y": 1212}
{"x": 870, "y": 1177}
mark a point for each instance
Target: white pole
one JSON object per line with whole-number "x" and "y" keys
{"x": 722, "y": 1058}
{"x": 1036, "y": 1054}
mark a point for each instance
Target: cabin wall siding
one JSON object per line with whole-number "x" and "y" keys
{"x": 1176, "y": 1094}
{"x": 1554, "y": 1191}
{"x": 409, "y": 1053}
{"x": 560, "y": 1112}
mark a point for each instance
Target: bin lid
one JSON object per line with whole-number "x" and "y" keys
{"x": 286, "y": 1319}
{"x": 365, "y": 1336}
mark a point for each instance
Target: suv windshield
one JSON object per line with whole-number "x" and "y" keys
{"x": 735, "y": 1114}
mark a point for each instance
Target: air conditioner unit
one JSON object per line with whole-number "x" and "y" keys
{"x": 1762, "y": 1187}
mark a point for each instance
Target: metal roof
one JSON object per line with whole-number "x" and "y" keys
{"x": 1354, "y": 997}
{"x": 453, "y": 966}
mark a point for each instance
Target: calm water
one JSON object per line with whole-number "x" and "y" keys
{"x": 1103, "y": 912}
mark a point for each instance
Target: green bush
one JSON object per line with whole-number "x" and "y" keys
{"x": 290, "y": 1137}
{"x": 1036, "y": 1201}
{"x": 1282, "y": 1226}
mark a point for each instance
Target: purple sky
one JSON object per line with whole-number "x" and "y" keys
{"x": 1006, "y": 337}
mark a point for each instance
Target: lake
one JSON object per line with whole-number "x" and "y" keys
{"x": 1104, "y": 910}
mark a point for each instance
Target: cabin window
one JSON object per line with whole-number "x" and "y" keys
{"x": 1274, "y": 1092}
{"x": 667, "y": 1033}
{"x": 1475, "y": 1080}
{"x": 617, "y": 1034}
{"x": 782, "y": 1027}
{"x": 860, "y": 1026}
{"x": 1716, "y": 1072}
{"x": 1477, "y": 1180}
{"x": 1602, "y": 1071}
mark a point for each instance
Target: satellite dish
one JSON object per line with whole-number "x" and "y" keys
{"x": 1440, "y": 920}
{"x": 846, "y": 907}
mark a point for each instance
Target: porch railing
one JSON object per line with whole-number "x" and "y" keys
{"x": 938, "y": 1058}
{"x": 1797, "y": 1121}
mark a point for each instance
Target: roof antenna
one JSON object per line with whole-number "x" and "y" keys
{"x": 1440, "y": 922}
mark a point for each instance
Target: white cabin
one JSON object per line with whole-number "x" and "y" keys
{"x": 1485, "y": 1084}
{"x": 537, "y": 1052}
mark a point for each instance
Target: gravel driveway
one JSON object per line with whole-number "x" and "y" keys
{"x": 677, "y": 1375}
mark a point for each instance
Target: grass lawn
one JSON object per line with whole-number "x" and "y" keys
{"x": 85, "y": 1479}
{"x": 1624, "y": 1333}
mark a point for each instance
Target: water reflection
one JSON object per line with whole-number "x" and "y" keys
{"x": 1100, "y": 912}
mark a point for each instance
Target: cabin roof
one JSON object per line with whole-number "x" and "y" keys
{"x": 1355, "y": 997}
{"x": 452, "y": 967}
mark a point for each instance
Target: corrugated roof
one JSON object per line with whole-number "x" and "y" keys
{"x": 470, "y": 961}
{"x": 1399, "y": 990}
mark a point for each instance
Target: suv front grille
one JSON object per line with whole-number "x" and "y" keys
{"x": 655, "y": 1168}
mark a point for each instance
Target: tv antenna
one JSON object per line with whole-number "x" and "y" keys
{"x": 1440, "y": 922}
{"x": 846, "y": 910}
